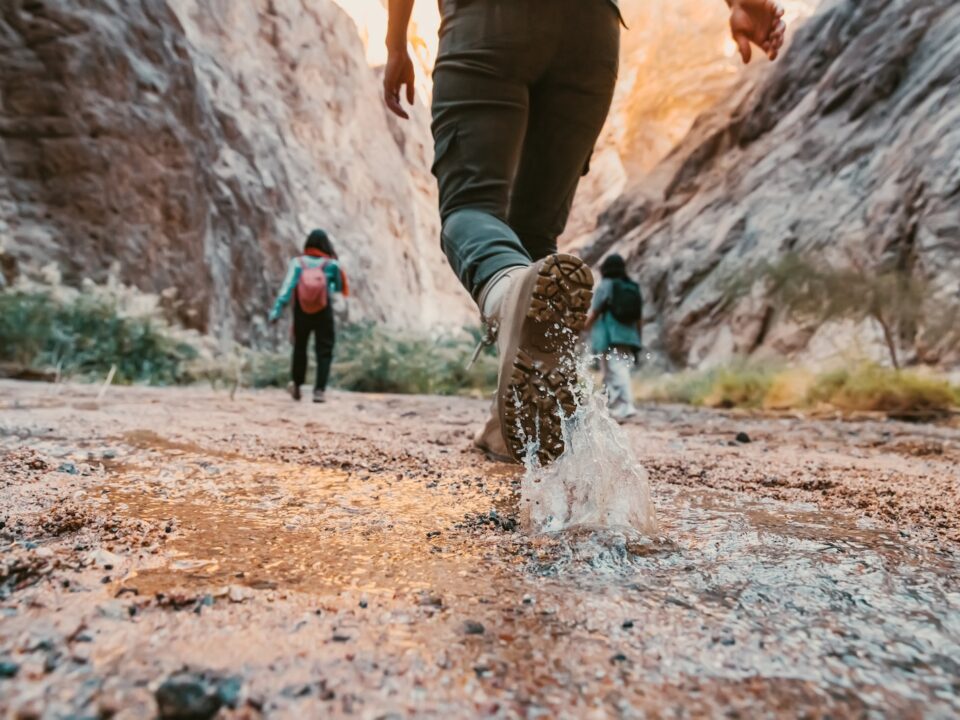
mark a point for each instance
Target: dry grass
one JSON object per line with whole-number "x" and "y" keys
{"x": 911, "y": 394}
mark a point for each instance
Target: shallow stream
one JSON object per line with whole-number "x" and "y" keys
{"x": 731, "y": 598}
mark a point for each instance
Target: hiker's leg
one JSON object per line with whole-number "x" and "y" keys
{"x": 325, "y": 331}
{"x": 490, "y": 52}
{"x": 568, "y": 107}
{"x": 301, "y": 341}
{"x": 606, "y": 367}
{"x": 621, "y": 390}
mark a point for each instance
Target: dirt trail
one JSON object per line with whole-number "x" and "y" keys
{"x": 360, "y": 559}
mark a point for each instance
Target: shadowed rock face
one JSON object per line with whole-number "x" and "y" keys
{"x": 195, "y": 143}
{"x": 847, "y": 149}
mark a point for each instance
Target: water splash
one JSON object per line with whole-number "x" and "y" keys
{"x": 596, "y": 483}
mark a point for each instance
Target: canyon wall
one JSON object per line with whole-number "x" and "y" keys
{"x": 190, "y": 145}
{"x": 846, "y": 151}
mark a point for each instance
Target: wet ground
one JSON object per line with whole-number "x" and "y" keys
{"x": 359, "y": 559}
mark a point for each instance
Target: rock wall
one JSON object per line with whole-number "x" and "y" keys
{"x": 194, "y": 143}
{"x": 847, "y": 150}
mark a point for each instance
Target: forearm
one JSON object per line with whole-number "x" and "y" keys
{"x": 286, "y": 292}
{"x": 399, "y": 22}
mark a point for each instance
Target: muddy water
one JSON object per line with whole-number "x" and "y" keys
{"x": 732, "y": 598}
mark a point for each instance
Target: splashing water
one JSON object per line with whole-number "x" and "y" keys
{"x": 596, "y": 482}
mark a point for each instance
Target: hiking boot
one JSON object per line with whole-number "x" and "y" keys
{"x": 539, "y": 322}
{"x": 490, "y": 439}
{"x": 294, "y": 390}
{"x": 319, "y": 396}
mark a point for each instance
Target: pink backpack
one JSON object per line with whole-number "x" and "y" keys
{"x": 312, "y": 291}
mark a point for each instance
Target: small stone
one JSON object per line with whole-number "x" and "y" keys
{"x": 528, "y": 600}
{"x": 238, "y": 594}
{"x": 727, "y": 640}
{"x": 433, "y": 534}
{"x": 229, "y": 689}
{"x": 363, "y": 604}
{"x": 67, "y": 467}
{"x": 742, "y": 437}
{"x": 428, "y": 600}
{"x": 337, "y": 637}
{"x": 51, "y": 662}
{"x": 8, "y": 669}
{"x": 618, "y": 658}
{"x": 196, "y": 695}
{"x": 472, "y": 627}
{"x": 627, "y": 624}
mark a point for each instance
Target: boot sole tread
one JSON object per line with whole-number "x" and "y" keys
{"x": 543, "y": 379}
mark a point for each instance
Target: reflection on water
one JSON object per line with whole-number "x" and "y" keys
{"x": 732, "y": 592}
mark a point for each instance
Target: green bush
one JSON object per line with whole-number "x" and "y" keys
{"x": 86, "y": 337}
{"x": 371, "y": 359}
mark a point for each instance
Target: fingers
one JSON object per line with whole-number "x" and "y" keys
{"x": 743, "y": 43}
{"x": 392, "y": 99}
{"x": 396, "y": 75}
{"x": 775, "y": 40}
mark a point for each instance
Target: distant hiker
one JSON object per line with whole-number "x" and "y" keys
{"x": 616, "y": 324}
{"x": 311, "y": 280}
{"x": 521, "y": 91}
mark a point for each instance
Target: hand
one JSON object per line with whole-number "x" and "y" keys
{"x": 759, "y": 22}
{"x": 399, "y": 72}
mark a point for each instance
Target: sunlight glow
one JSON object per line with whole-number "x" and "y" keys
{"x": 370, "y": 17}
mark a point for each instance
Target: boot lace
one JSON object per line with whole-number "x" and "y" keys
{"x": 489, "y": 338}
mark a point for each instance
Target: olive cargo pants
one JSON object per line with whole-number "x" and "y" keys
{"x": 521, "y": 91}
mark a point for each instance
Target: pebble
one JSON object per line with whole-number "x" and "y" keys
{"x": 8, "y": 669}
{"x": 188, "y": 695}
{"x": 742, "y": 437}
{"x": 67, "y": 467}
{"x": 627, "y": 624}
{"x": 472, "y": 627}
{"x": 238, "y": 594}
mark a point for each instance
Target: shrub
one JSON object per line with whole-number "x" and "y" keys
{"x": 898, "y": 393}
{"x": 741, "y": 384}
{"x": 745, "y": 387}
{"x": 867, "y": 388}
{"x": 904, "y": 306}
{"x": 372, "y": 359}
{"x": 84, "y": 333}
{"x": 87, "y": 336}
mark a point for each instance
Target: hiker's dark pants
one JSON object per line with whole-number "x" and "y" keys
{"x": 521, "y": 91}
{"x": 322, "y": 326}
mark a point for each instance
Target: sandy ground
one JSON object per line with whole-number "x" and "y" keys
{"x": 174, "y": 549}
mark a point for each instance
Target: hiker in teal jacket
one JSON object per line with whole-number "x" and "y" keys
{"x": 615, "y": 341}
{"x": 317, "y": 252}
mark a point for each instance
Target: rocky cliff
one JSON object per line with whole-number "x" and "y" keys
{"x": 193, "y": 143}
{"x": 845, "y": 150}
